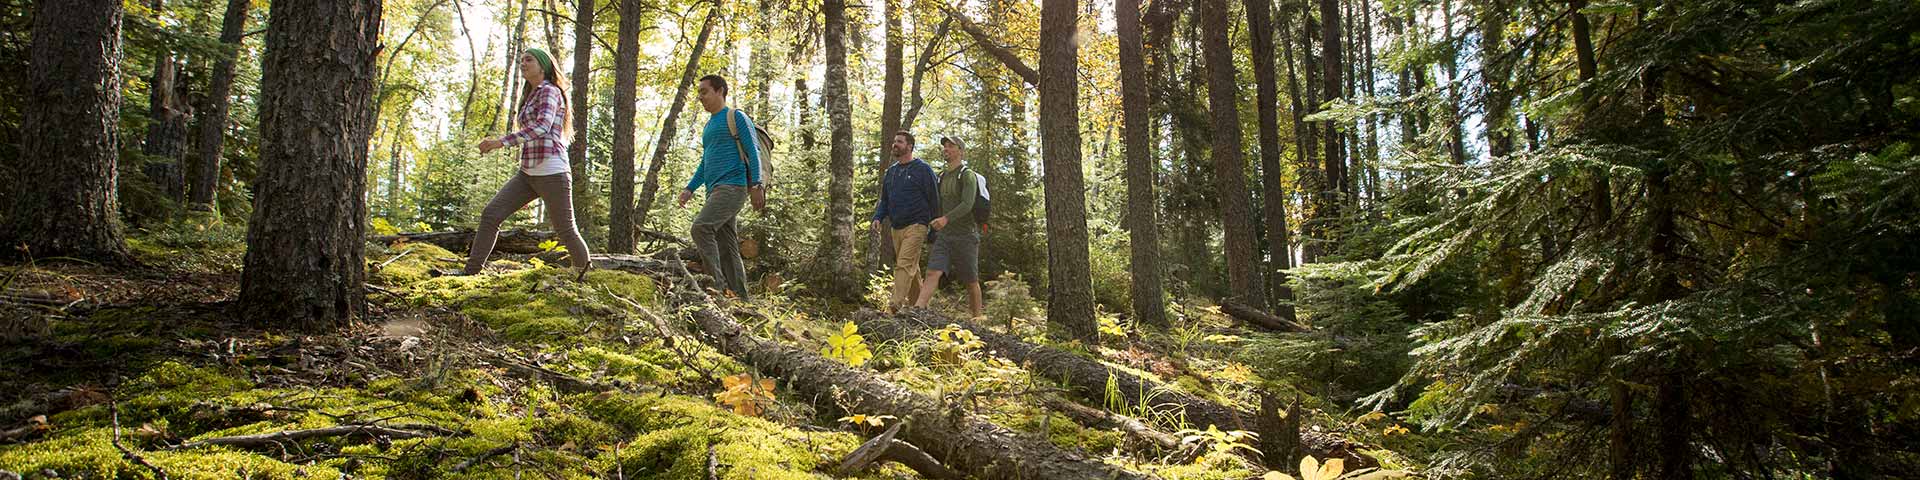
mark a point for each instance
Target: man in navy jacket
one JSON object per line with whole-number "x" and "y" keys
{"x": 909, "y": 200}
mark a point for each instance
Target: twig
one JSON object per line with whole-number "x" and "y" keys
{"x": 113, "y": 407}
{"x": 390, "y": 261}
{"x": 713, "y": 463}
{"x": 666, "y": 336}
{"x": 265, "y": 439}
{"x": 503, "y": 450}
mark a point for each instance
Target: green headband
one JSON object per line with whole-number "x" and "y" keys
{"x": 546, "y": 63}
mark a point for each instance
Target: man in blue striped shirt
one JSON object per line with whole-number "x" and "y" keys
{"x": 730, "y": 171}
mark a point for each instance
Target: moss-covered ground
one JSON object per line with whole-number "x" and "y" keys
{"x": 156, "y": 353}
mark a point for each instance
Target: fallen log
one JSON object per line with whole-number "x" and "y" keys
{"x": 1263, "y": 319}
{"x": 1097, "y": 418}
{"x": 962, "y": 441}
{"x": 509, "y": 241}
{"x": 1087, "y": 378}
{"x": 271, "y": 439}
{"x": 885, "y": 447}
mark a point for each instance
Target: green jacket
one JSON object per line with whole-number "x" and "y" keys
{"x": 958, "y": 190}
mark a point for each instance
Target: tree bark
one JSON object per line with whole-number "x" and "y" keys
{"x": 1264, "y": 320}
{"x": 1457, "y": 147}
{"x": 890, "y": 88}
{"x": 303, "y": 266}
{"x": 626, "y": 73}
{"x": 1229, "y": 167}
{"x": 586, "y": 199}
{"x": 651, "y": 188}
{"x": 166, "y": 141}
{"x": 62, "y": 197}
{"x": 1143, "y": 226}
{"x": 1279, "y": 296}
{"x": 962, "y": 441}
{"x": 1070, "y": 289}
{"x": 833, "y": 264}
{"x": 213, "y": 114}
{"x": 1338, "y": 189}
{"x": 1494, "y": 70}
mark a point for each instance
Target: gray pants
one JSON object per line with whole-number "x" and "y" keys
{"x": 716, "y": 232}
{"x": 556, "y": 190}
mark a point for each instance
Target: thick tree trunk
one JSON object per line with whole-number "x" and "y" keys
{"x": 964, "y": 442}
{"x": 651, "y": 187}
{"x": 833, "y": 263}
{"x": 626, "y": 73}
{"x": 1279, "y": 297}
{"x": 586, "y": 199}
{"x": 1143, "y": 205}
{"x": 1070, "y": 289}
{"x": 1457, "y": 146}
{"x": 304, "y": 266}
{"x": 62, "y": 196}
{"x": 213, "y": 114}
{"x": 1229, "y": 167}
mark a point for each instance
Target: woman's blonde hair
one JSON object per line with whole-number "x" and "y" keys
{"x": 551, "y": 74}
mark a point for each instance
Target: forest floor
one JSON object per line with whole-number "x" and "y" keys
{"x": 522, "y": 372}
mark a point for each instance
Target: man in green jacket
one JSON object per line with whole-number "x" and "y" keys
{"x": 956, "y": 248}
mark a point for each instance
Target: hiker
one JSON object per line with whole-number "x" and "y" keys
{"x": 543, "y": 127}
{"x": 909, "y": 198}
{"x": 730, "y": 169}
{"x": 956, "y": 247}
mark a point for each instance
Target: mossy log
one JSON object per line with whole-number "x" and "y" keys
{"x": 1263, "y": 319}
{"x": 1087, "y": 378}
{"x": 962, "y": 441}
{"x": 510, "y": 241}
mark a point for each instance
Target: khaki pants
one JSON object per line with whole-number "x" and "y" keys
{"x": 907, "y": 245}
{"x": 556, "y": 190}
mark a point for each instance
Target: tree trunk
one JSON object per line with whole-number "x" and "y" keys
{"x": 166, "y": 141}
{"x": 586, "y": 199}
{"x": 833, "y": 263}
{"x": 1457, "y": 147}
{"x": 1143, "y": 226}
{"x": 804, "y": 119}
{"x": 626, "y": 74}
{"x": 895, "y": 80}
{"x": 1229, "y": 168}
{"x": 962, "y": 441}
{"x": 1311, "y": 177}
{"x": 986, "y": 42}
{"x": 651, "y": 188}
{"x": 1338, "y": 189}
{"x": 62, "y": 198}
{"x": 1494, "y": 70}
{"x": 1583, "y": 42}
{"x": 1070, "y": 289}
{"x": 213, "y": 114}
{"x": 304, "y": 266}
{"x": 1280, "y": 253}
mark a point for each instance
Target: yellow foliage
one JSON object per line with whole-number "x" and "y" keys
{"x": 745, "y": 395}
{"x": 848, "y": 346}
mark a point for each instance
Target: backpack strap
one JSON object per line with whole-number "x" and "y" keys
{"x": 737, "y": 146}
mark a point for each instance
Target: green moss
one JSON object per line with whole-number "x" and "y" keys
{"x": 417, "y": 265}
{"x": 1211, "y": 466}
{"x": 676, "y": 432}
{"x": 89, "y": 453}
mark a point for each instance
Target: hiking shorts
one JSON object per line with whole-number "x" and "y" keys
{"x": 956, "y": 253}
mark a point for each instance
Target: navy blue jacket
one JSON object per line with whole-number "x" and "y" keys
{"x": 909, "y": 194}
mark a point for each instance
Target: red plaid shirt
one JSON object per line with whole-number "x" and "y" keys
{"x": 540, "y": 123}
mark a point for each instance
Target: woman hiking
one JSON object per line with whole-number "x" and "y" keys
{"x": 543, "y": 126}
